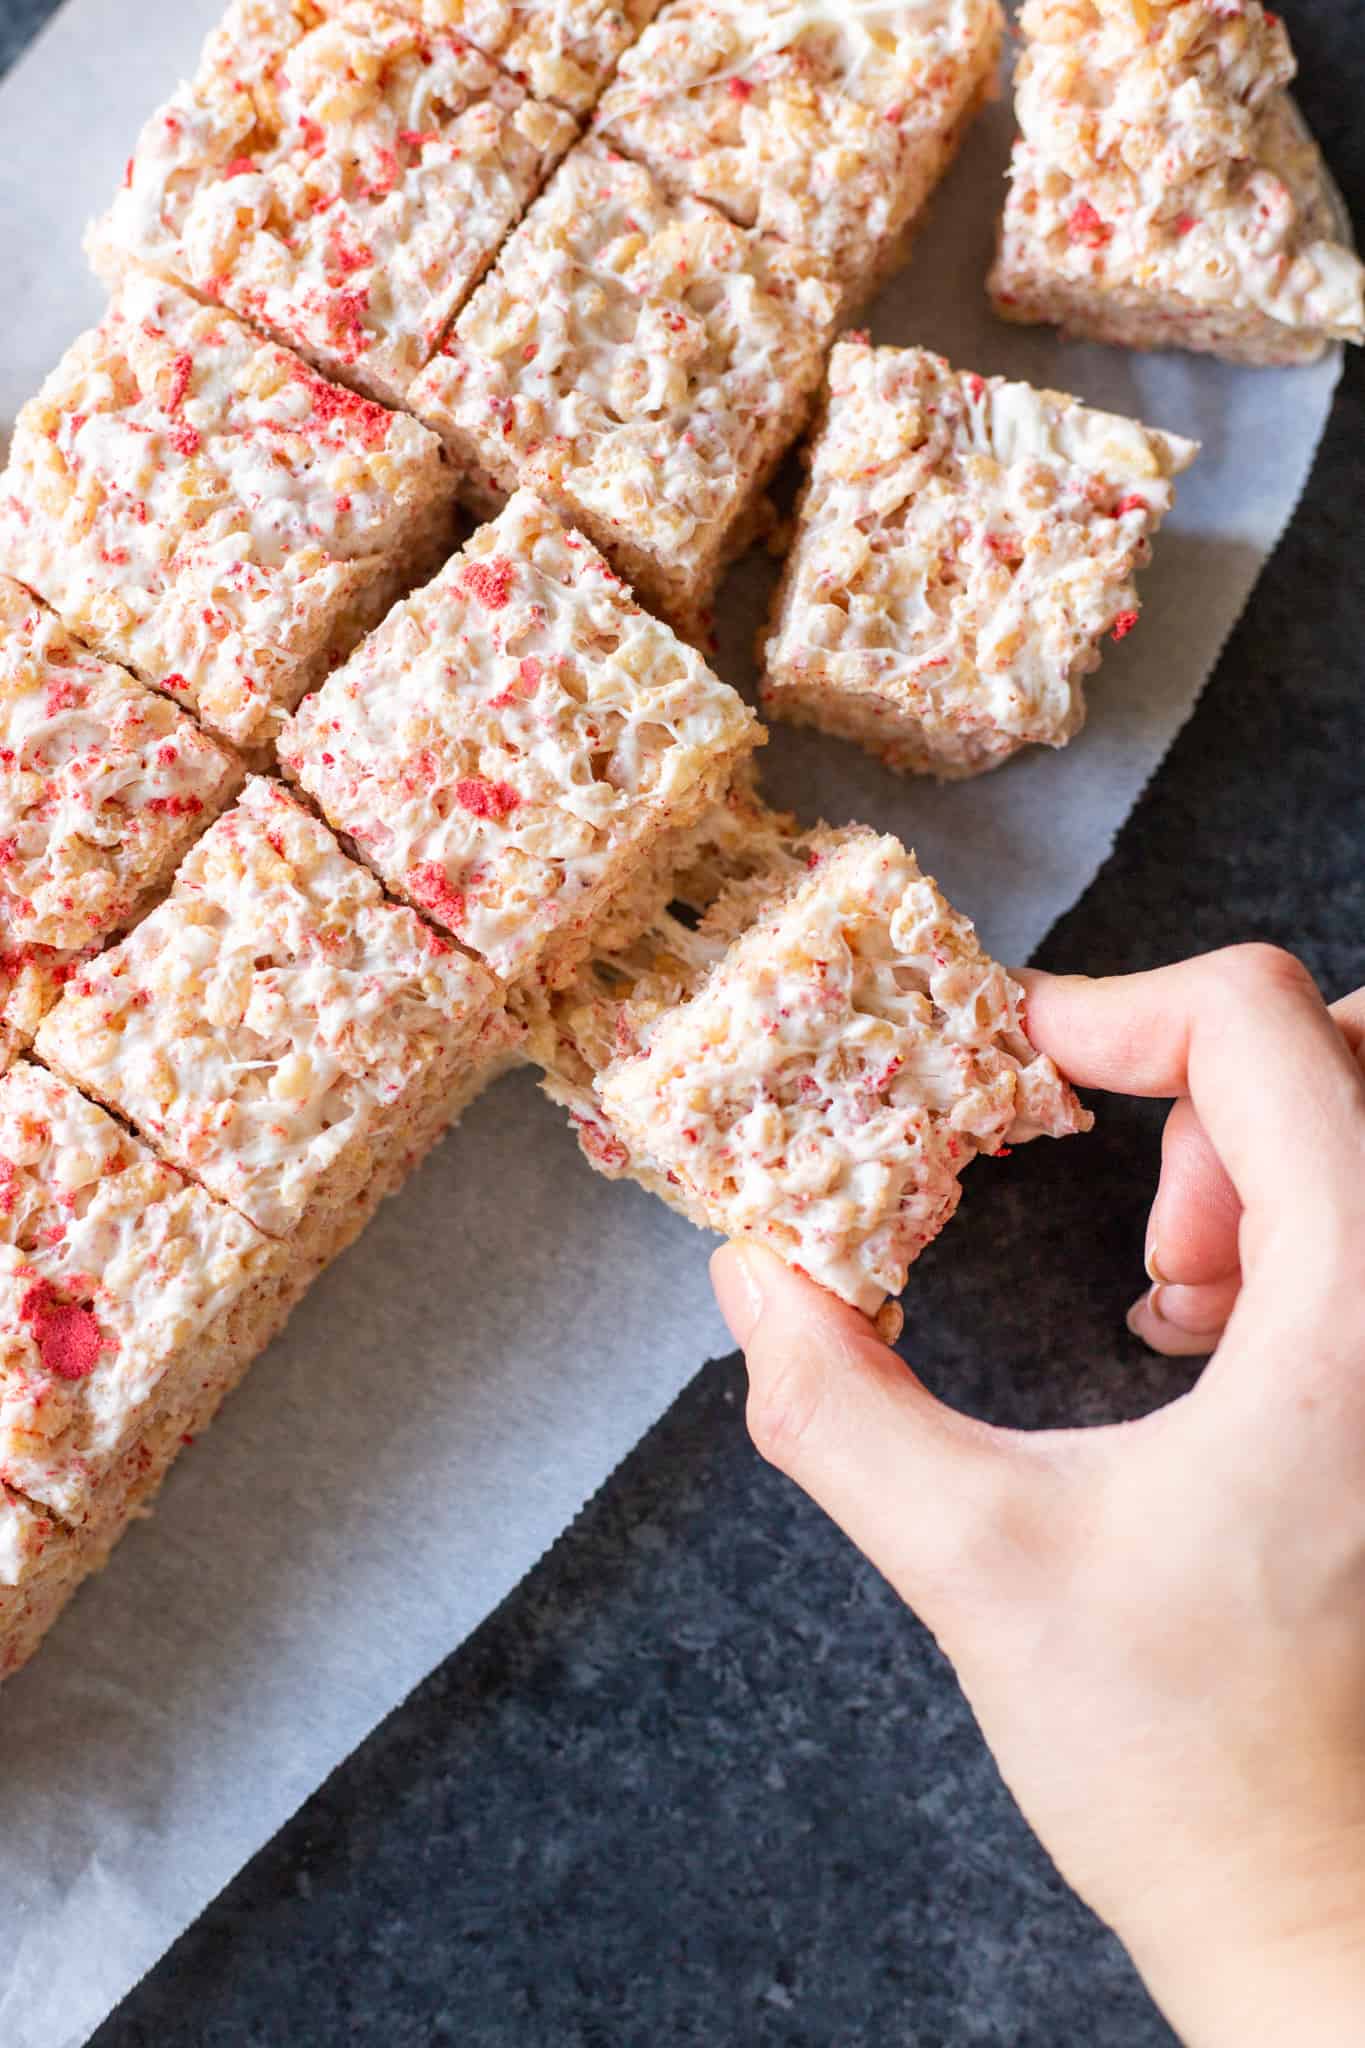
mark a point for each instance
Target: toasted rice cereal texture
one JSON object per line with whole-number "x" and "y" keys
{"x": 515, "y": 738}
{"x": 642, "y": 364}
{"x": 1164, "y": 189}
{"x": 202, "y": 507}
{"x": 562, "y": 50}
{"x": 275, "y": 1027}
{"x": 825, "y": 125}
{"x": 102, "y": 787}
{"x": 963, "y": 547}
{"x": 652, "y": 952}
{"x": 117, "y": 1278}
{"x": 337, "y": 174}
{"x": 832, "y": 1075}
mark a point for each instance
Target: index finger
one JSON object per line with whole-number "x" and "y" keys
{"x": 1246, "y": 1035}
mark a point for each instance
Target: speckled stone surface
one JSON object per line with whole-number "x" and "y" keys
{"x": 702, "y": 1780}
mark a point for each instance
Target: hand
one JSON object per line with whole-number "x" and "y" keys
{"x": 1160, "y": 1625}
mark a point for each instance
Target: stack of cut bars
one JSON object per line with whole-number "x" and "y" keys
{"x": 234, "y": 1013}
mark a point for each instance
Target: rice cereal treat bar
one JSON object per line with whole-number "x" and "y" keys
{"x": 1165, "y": 192}
{"x": 828, "y": 127}
{"x": 516, "y": 740}
{"x": 124, "y": 1290}
{"x": 563, "y": 50}
{"x": 131, "y": 1303}
{"x": 642, "y": 364}
{"x": 202, "y": 507}
{"x": 835, "y": 1071}
{"x": 963, "y": 547}
{"x": 103, "y": 785}
{"x": 278, "y": 1030}
{"x": 337, "y": 174}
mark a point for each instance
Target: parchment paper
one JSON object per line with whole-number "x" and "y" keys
{"x": 462, "y": 1382}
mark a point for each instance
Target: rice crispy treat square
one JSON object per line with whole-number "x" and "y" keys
{"x": 834, "y": 1072}
{"x": 338, "y": 174}
{"x": 826, "y": 127}
{"x": 103, "y": 785}
{"x": 201, "y": 506}
{"x": 277, "y": 1029}
{"x": 516, "y": 739}
{"x": 1164, "y": 190}
{"x": 563, "y": 50}
{"x": 127, "y": 1294}
{"x": 962, "y": 548}
{"x": 640, "y": 362}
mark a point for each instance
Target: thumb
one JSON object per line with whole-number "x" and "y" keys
{"x": 946, "y": 1507}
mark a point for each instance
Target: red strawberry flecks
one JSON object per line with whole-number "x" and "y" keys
{"x": 1085, "y": 225}
{"x": 174, "y": 806}
{"x": 1123, "y": 625}
{"x": 485, "y": 799}
{"x": 332, "y": 403}
{"x": 68, "y": 1337}
{"x": 526, "y": 682}
{"x": 602, "y": 1146}
{"x": 430, "y": 885}
{"x": 182, "y": 371}
{"x": 488, "y": 583}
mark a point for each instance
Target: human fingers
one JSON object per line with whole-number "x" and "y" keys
{"x": 1247, "y": 1036}
{"x": 946, "y": 1507}
{"x": 1184, "y": 1322}
{"x": 1192, "y": 1228}
{"x": 1349, "y": 1017}
{"x": 1192, "y": 1255}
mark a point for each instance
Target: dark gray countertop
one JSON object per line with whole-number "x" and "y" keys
{"x": 702, "y": 1779}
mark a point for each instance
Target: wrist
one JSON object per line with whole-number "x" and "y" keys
{"x": 1268, "y": 1960}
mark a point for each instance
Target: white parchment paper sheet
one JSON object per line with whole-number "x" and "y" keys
{"x": 463, "y": 1381}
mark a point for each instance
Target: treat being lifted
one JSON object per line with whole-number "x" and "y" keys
{"x": 962, "y": 548}
{"x": 517, "y": 740}
{"x": 103, "y": 785}
{"x": 814, "y": 1062}
{"x": 641, "y": 363}
{"x": 828, "y": 126}
{"x": 338, "y": 174}
{"x": 201, "y": 506}
{"x": 1164, "y": 190}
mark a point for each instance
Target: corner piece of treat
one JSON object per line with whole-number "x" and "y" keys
{"x": 279, "y": 1030}
{"x": 201, "y": 506}
{"x": 1164, "y": 190}
{"x": 103, "y": 785}
{"x": 340, "y": 174}
{"x": 516, "y": 739}
{"x": 827, "y": 126}
{"x": 643, "y": 364}
{"x": 813, "y": 1063}
{"x": 963, "y": 548}
{"x": 127, "y": 1294}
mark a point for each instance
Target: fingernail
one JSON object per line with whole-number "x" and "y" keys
{"x": 1149, "y": 1304}
{"x": 1149, "y": 1260}
{"x": 739, "y": 1290}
